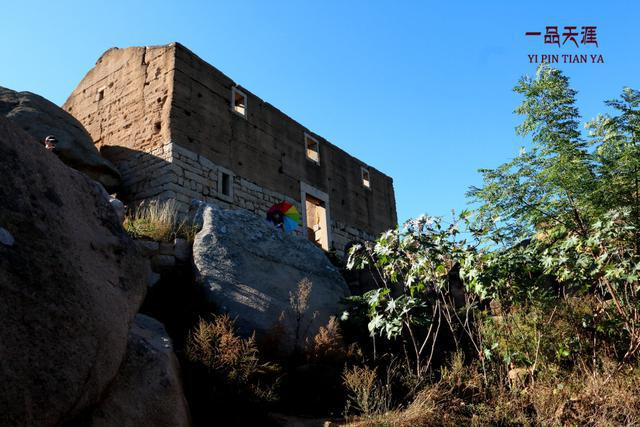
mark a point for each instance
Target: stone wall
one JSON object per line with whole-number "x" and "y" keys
{"x": 164, "y": 256}
{"x": 197, "y": 178}
{"x": 124, "y": 103}
{"x": 267, "y": 147}
{"x": 164, "y": 117}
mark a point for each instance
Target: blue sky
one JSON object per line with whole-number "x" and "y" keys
{"x": 420, "y": 90}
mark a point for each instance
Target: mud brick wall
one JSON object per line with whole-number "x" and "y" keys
{"x": 267, "y": 147}
{"x": 164, "y": 117}
{"x": 124, "y": 103}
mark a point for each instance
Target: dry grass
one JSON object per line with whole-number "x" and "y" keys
{"x": 364, "y": 392}
{"x": 157, "y": 220}
{"x": 327, "y": 344}
{"x": 605, "y": 397}
{"x": 215, "y": 345}
{"x": 592, "y": 399}
{"x": 543, "y": 366}
{"x": 433, "y": 406}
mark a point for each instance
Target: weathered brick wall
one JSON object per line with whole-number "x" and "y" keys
{"x": 267, "y": 147}
{"x": 124, "y": 103}
{"x": 163, "y": 116}
{"x": 197, "y": 178}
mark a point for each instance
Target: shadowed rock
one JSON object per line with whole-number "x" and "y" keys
{"x": 70, "y": 285}
{"x": 148, "y": 390}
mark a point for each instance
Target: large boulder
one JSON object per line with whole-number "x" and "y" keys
{"x": 148, "y": 390}
{"x": 250, "y": 269}
{"x": 40, "y": 117}
{"x": 71, "y": 281}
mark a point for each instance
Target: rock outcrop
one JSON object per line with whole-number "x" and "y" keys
{"x": 40, "y": 117}
{"x": 248, "y": 268}
{"x": 148, "y": 390}
{"x": 115, "y": 203}
{"x": 71, "y": 281}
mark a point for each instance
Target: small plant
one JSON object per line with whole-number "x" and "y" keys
{"x": 327, "y": 343}
{"x": 299, "y": 303}
{"x": 157, "y": 220}
{"x": 366, "y": 394}
{"x": 216, "y": 346}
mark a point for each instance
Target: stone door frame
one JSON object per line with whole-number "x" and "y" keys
{"x": 318, "y": 194}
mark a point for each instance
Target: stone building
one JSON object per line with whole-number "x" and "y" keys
{"x": 176, "y": 127}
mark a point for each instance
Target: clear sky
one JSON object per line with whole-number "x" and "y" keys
{"x": 420, "y": 90}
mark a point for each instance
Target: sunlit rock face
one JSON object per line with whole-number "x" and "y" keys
{"x": 250, "y": 269}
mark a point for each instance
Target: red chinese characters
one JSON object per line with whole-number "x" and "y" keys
{"x": 589, "y": 36}
{"x": 569, "y": 34}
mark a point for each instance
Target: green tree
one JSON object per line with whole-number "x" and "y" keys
{"x": 616, "y": 140}
{"x": 549, "y": 183}
{"x": 576, "y": 201}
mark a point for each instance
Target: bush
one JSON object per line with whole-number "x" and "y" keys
{"x": 215, "y": 346}
{"x": 365, "y": 392}
{"x": 424, "y": 268}
{"x": 544, "y": 365}
{"x": 327, "y": 344}
{"x": 157, "y": 220}
{"x": 554, "y": 245}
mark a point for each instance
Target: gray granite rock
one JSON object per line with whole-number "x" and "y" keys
{"x": 248, "y": 268}
{"x": 147, "y": 390}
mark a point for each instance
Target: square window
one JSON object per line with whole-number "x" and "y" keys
{"x": 312, "y": 148}
{"x": 239, "y": 102}
{"x": 366, "y": 179}
{"x": 100, "y": 94}
{"x": 225, "y": 185}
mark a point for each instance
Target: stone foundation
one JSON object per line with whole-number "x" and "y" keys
{"x": 187, "y": 176}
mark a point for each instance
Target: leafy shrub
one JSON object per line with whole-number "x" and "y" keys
{"x": 555, "y": 247}
{"x": 420, "y": 266}
{"x": 604, "y": 262}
